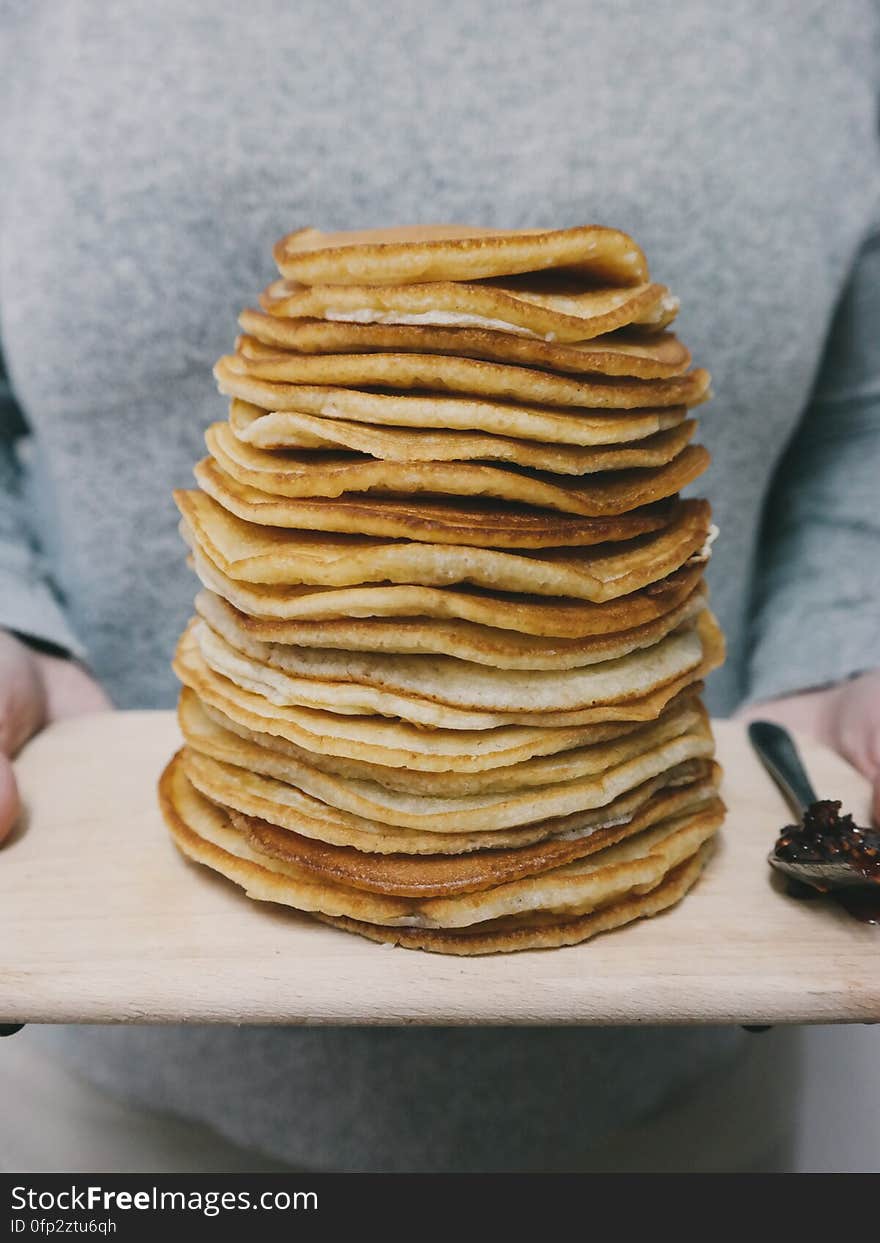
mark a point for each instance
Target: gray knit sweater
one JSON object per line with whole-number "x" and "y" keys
{"x": 151, "y": 153}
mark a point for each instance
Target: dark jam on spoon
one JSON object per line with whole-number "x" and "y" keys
{"x": 829, "y": 853}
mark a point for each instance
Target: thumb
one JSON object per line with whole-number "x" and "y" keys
{"x": 9, "y": 802}
{"x": 875, "y": 802}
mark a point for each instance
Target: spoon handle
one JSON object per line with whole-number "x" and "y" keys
{"x": 776, "y": 750}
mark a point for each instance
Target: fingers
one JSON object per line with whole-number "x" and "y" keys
{"x": 22, "y": 695}
{"x": 22, "y": 713}
{"x": 35, "y": 689}
{"x": 875, "y": 804}
{"x": 9, "y": 802}
{"x": 69, "y": 689}
{"x": 808, "y": 712}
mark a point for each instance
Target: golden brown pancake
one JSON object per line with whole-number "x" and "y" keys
{"x": 473, "y": 699}
{"x": 484, "y": 645}
{"x": 443, "y": 412}
{"x": 290, "y": 430}
{"x": 206, "y": 729}
{"x": 395, "y": 743}
{"x": 367, "y": 806}
{"x": 533, "y": 933}
{"x": 472, "y": 522}
{"x": 445, "y": 875}
{"x": 287, "y": 474}
{"x": 585, "y": 885}
{"x": 511, "y": 615}
{"x": 331, "y": 780}
{"x": 536, "y": 306}
{"x": 377, "y": 839}
{"x": 446, "y": 680}
{"x": 255, "y": 553}
{"x": 650, "y": 357}
{"x": 274, "y": 382}
{"x": 210, "y": 734}
{"x": 458, "y": 252}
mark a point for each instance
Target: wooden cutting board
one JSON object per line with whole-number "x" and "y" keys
{"x": 102, "y": 921}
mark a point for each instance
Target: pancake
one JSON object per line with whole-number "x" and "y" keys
{"x": 448, "y": 680}
{"x": 612, "y": 770}
{"x": 205, "y": 736}
{"x": 608, "y": 493}
{"x": 585, "y": 885}
{"x": 696, "y": 779}
{"x": 398, "y": 744}
{"x": 506, "y": 614}
{"x": 457, "y": 252}
{"x": 226, "y": 783}
{"x": 444, "y": 875}
{"x": 254, "y": 553}
{"x": 558, "y": 810}
{"x": 254, "y": 426}
{"x": 442, "y": 688}
{"x": 655, "y": 357}
{"x": 297, "y": 708}
{"x": 532, "y": 306}
{"x": 209, "y": 729}
{"x": 483, "y": 645}
{"x": 550, "y": 932}
{"x": 278, "y": 379}
{"x": 579, "y": 888}
{"x": 210, "y": 732}
{"x": 474, "y": 522}
{"x": 441, "y": 412}
{"x": 440, "y": 692}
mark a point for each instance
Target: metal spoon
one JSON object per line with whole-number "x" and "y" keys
{"x": 779, "y": 755}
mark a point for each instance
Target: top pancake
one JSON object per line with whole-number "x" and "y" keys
{"x": 653, "y": 357}
{"x": 457, "y": 252}
{"x": 545, "y": 307}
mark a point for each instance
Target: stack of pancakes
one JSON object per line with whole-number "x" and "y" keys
{"x": 442, "y": 685}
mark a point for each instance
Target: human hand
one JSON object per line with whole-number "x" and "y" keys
{"x": 846, "y": 717}
{"x": 35, "y": 689}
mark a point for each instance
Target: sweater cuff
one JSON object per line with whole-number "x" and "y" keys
{"x": 29, "y": 608}
{"x": 813, "y": 645}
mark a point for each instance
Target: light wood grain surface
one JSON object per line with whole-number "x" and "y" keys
{"x": 102, "y": 921}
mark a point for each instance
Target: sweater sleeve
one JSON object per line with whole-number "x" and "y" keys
{"x": 29, "y": 605}
{"x": 816, "y": 608}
